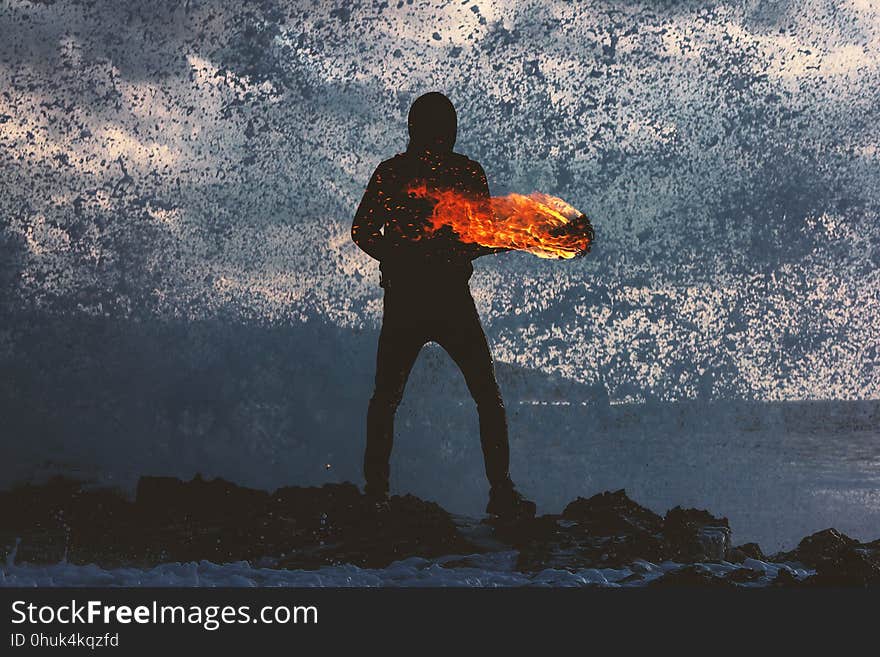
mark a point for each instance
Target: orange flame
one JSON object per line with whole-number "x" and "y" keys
{"x": 543, "y": 225}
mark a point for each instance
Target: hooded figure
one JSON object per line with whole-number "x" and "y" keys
{"x": 432, "y": 123}
{"x": 425, "y": 274}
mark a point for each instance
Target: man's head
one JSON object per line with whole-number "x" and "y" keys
{"x": 433, "y": 123}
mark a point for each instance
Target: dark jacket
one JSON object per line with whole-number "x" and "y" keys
{"x": 391, "y": 225}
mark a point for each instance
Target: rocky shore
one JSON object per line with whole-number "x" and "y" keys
{"x": 307, "y": 528}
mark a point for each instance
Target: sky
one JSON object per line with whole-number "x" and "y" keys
{"x": 182, "y": 161}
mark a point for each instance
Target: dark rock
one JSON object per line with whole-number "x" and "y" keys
{"x": 358, "y": 532}
{"x": 838, "y": 560}
{"x": 744, "y": 576}
{"x": 611, "y": 530}
{"x": 607, "y": 514}
{"x": 171, "y": 520}
{"x": 818, "y": 547}
{"x": 693, "y": 576}
{"x": 785, "y": 579}
{"x": 606, "y": 530}
{"x": 216, "y": 498}
{"x": 39, "y": 521}
{"x": 745, "y": 551}
{"x": 695, "y": 535}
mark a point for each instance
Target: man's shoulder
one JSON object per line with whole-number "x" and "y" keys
{"x": 391, "y": 168}
{"x": 472, "y": 166}
{"x": 465, "y": 160}
{"x": 393, "y": 162}
{"x": 403, "y": 163}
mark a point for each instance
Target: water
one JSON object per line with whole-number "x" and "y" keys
{"x": 777, "y": 471}
{"x": 493, "y": 570}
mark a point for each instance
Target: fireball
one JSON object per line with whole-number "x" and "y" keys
{"x": 540, "y": 224}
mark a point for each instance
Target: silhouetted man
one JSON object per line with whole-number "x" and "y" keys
{"x": 425, "y": 275}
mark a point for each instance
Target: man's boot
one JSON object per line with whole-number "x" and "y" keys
{"x": 507, "y": 503}
{"x": 378, "y": 497}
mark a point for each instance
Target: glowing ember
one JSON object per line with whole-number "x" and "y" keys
{"x": 541, "y": 224}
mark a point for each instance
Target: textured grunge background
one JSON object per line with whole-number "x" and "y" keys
{"x": 179, "y": 291}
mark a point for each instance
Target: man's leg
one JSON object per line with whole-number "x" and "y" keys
{"x": 463, "y": 339}
{"x": 399, "y": 346}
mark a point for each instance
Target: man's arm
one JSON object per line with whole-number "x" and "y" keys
{"x": 484, "y": 206}
{"x": 366, "y": 229}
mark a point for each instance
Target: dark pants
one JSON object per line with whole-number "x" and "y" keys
{"x": 414, "y": 316}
